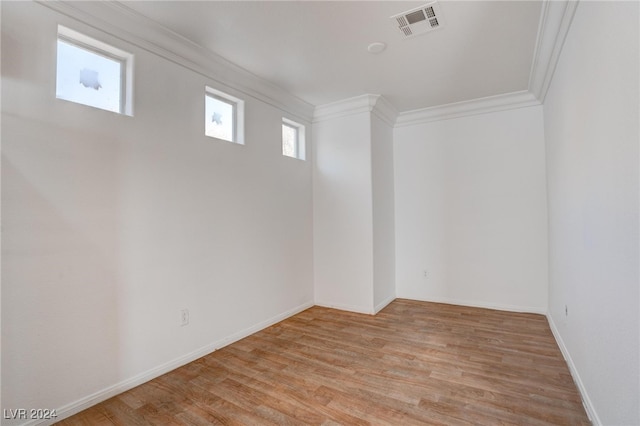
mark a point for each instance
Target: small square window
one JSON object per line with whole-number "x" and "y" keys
{"x": 93, "y": 73}
{"x": 223, "y": 116}
{"x": 293, "y": 144}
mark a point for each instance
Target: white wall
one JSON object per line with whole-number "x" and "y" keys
{"x": 591, "y": 127}
{"x": 342, "y": 213}
{"x": 384, "y": 260}
{"x": 113, "y": 224}
{"x": 471, "y": 211}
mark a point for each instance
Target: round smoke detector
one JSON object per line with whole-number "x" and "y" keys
{"x": 376, "y": 47}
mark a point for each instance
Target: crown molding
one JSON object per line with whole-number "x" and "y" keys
{"x": 122, "y": 22}
{"x": 384, "y": 110}
{"x": 344, "y": 107}
{"x": 555, "y": 21}
{"x": 378, "y": 105}
{"x": 502, "y": 102}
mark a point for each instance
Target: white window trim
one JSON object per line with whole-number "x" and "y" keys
{"x": 300, "y": 143}
{"x": 98, "y": 47}
{"x": 238, "y": 113}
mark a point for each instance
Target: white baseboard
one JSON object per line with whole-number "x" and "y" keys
{"x": 380, "y": 306}
{"x": 349, "y": 308}
{"x": 262, "y": 325}
{"x": 358, "y": 309}
{"x": 485, "y": 305}
{"x": 104, "y": 394}
{"x": 586, "y": 401}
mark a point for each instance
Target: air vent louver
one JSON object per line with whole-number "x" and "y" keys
{"x": 415, "y": 17}
{"x": 419, "y": 20}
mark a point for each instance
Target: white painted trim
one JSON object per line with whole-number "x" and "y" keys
{"x": 238, "y": 112}
{"x": 302, "y": 137}
{"x": 345, "y": 107}
{"x": 385, "y": 111}
{"x": 502, "y": 102}
{"x": 375, "y": 104}
{"x": 586, "y": 401}
{"x": 380, "y": 306}
{"x": 104, "y": 394}
{"x": 348, "y": 308}
{"x": 484, "y": 305}
{"x": 555, "y": 21}
{"x": 122, "y": 22}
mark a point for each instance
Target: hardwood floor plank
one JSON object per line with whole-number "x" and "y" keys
{"x": 412, "y": 363}
{"x": 89, "y": 417}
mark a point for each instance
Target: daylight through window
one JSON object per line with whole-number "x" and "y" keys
{"x": 92, "y": 73}
{"x": 289, "y": 140}
{"x": 293, "y": 139}
{"x": 220, "y": 118}
{"x": 223, "y": 116}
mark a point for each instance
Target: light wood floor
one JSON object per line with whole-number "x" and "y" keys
{"x": 413, "y": 363}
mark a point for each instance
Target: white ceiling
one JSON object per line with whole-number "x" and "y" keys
{"x": 317, "y": 50}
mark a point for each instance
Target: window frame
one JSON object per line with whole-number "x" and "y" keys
{"x": 300, "y": 143}
{"x": 107, "y": 51}
{"x": 237, "y": 110}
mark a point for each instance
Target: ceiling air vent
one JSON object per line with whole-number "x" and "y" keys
{"x": 419, "y": 20}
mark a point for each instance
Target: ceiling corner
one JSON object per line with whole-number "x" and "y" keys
{"x": 355, "y": 105}
{"x": 555, "y": 21}
{"x": 385, "y": 110}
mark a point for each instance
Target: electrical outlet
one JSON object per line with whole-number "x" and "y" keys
{"x": 425, "y": 273}
{"x": 184, "y": 317}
